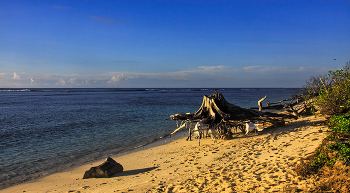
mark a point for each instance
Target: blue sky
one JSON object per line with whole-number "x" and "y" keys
{"x": 171, "y": 43}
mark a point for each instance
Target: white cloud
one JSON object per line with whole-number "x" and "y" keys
{"x": 210, "y": 68}
{"x": 251, "y": 67}
{"x": 118, "y": 78}
{"x": 265, "y": 69}
{"x": 186, "y": 75}
{"x": 15, "y": 76}
{"x": 72, "y": 80}
{"x": 61, "y": 82}
{"x": 312, "y": 69}
{"x": 250, "y": 75}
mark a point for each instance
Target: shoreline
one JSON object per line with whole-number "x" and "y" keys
{"x": 56, "y": 143}
{"x": 138, "y": 147}
{"x": 257, "y": 162}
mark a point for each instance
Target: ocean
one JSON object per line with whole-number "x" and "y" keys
{"x": 48, "y": 130}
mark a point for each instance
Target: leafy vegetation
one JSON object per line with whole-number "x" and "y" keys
{"x": 340, "y": 124}
{"x": 336, "y": 145}
{"x": 328, "y": 155}
{"x": 330, "y": 95}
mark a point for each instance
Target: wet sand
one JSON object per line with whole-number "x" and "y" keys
{"x": 257, "y": 162}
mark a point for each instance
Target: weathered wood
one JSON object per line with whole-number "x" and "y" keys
{"x": 219, "y": 115}
{"x": 213, "y": 109}
{"x": 176, "y": 130}
{"x": 275, "y": 107}
{"x": 260, "y": 101}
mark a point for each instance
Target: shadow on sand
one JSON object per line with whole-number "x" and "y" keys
{"x": 134, "y": 172}
{"x": 289, "y": 127}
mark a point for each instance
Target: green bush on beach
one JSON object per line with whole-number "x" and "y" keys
{"x": 330, "y": 95}
{"x": 333, "y": 99}
{"x": 338, "y": 145}
{"x": 340, "y": 124}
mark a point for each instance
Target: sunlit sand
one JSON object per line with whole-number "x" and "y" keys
{"x": 257, "y": 162}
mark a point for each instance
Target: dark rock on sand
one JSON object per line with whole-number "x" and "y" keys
{"x": 105, "y": 170}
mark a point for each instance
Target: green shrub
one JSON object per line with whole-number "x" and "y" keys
{"x": 332, "y": 148}
{"x": 335, "y": 99}
{"x": 330, "y": 93}
{"x": 340, "y": 124}
{"x": 329, "y": 154}
{"x": 320, "y": 160}
{"x": 331, "y": 96}
{"x": 343, "y": 150}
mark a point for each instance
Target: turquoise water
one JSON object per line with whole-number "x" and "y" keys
{"x": 47, "y": 130}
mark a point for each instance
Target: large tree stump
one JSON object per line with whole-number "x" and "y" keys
{"x": 214, "y": 108}
{"x": 220, "y": 115}
{"x": 105, "y": 170}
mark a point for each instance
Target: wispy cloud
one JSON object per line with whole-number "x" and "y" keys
{"x": 199, "y": 73}
{"x": 118, "y": 78}
{"x": 210, "y": 68}
{"x": 224, "y": 76}
{"x": 265, "y": 69}
{"x": 16, "y": 76}
{"x": 72, "y": 80}
{"x": 311, "y": 69}
{"x": 250, "y": 67}
{"x": 302, "y": 68}
{"x": 61, "y": 82}
{"x": 105, "y": 19}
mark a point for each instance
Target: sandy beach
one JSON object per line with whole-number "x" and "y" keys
{"x": 257, "y": 162}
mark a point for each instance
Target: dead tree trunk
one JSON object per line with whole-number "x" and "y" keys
{"x": 215, "y": 110}
{"x": 259, "y": 103}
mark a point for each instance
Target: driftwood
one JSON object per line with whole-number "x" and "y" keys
{"x": 287, "y": 104}
{"x": 214, "y": 108}
{"x": 226, "y": 118}
{"x": 259, "y": 103}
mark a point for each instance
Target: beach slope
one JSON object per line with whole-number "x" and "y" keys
{"x": 257, "y": 162}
